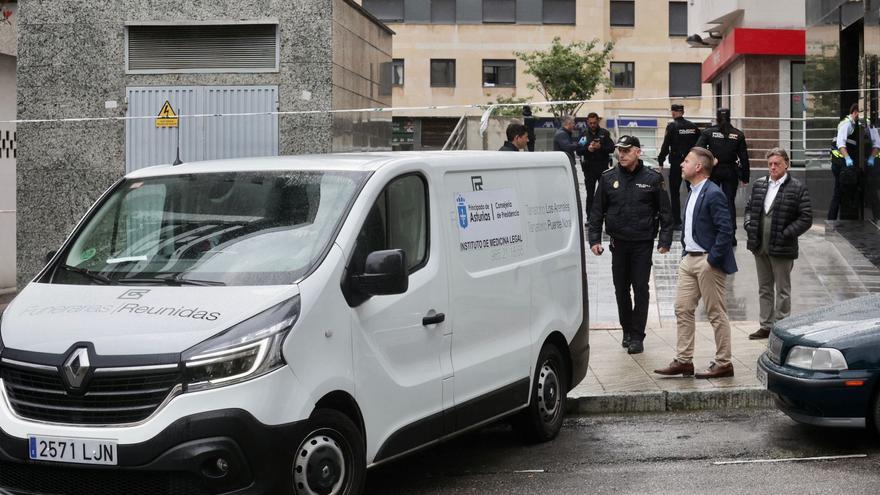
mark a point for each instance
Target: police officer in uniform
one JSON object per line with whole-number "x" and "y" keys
{"x": 851, "y": 133}
{"x": 681, "y": 135}
{"x": 632, "y": 202}
{"x": 728, "y": 144}
{"x": 596, "y": 148}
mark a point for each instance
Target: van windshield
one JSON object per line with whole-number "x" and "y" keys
{"x": 241, "y": 228}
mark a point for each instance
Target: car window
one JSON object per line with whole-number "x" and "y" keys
{"x": 397, "y": 220}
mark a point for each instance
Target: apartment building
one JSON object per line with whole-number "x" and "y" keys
{"x": 460, "y": 52}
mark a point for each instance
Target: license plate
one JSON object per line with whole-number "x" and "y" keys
{"x": 76, "y": 450}
{"x": 762, "y": 377}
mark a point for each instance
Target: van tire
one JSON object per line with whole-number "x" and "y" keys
{"x": 541, "y": 421}
{"x": 333, "y": 447}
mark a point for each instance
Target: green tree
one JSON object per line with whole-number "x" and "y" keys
{"x": 509, "y": 111}
{"x": 568, "y": 72}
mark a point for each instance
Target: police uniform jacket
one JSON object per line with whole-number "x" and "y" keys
{"x": 791, "y": 215}
{"x": 728, "y": 144}
{"x": 606, "y": 146}
{"x": 681, "y": 135}
{"x": 633, "y": 206}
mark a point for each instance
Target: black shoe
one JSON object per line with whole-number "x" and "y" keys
{"x": 625, "y": 342}
{"x": 635, "y": 347}
{"x": 676, "y": 226}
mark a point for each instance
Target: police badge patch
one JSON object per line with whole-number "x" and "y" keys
{"x": 615, "y": 185}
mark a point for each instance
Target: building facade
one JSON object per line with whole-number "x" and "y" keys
{"x": 758, "y": 48}
{"x": 115, "y": 59}
{"x": 460, "y": 52}
{"x": 8, "y": 54}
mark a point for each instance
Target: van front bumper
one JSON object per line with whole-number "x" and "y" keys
{"x": 817, "y": 397}
{"x": 182, "y": 459}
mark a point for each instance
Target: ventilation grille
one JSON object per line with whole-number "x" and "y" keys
{"x": 239, "y": 47}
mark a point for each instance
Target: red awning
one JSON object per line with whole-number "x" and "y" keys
{"x": 746, "y": 41}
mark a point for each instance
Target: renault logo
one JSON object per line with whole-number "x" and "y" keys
{"x": 77, "y": 367}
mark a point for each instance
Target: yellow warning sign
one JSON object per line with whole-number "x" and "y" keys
{"x": 166, "y": 117}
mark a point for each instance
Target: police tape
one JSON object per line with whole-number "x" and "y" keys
{"x": 485, "y": 107}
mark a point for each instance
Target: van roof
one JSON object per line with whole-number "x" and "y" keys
{"x": 362, "y": 162}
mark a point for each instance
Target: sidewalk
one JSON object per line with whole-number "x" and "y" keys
{"x": 833, "y": 266}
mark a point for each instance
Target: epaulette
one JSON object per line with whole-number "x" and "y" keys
{"x": 609, "y": 170}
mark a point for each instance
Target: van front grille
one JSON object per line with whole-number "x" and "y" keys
{"x": 117, "y": 397}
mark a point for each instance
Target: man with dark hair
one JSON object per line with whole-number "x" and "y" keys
{"x": 563, "y": 140}
{"x": 632, "y": 203}
{"x": 596, "y": 148}
{"x": 681, "y": 135}
{"x": 529, "y": 121}
{"x": 517, "y": 138}
{"x": 728, "y": 145}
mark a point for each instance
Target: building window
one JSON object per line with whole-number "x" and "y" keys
{"x": 397, "y": 72}
{"x": 623, "y": 75}
{"x": 499, "y": 73}
{"x": 685, "y": 79}
{"x": 623, "y": 13}
{"x": 499, "y": 11}
{"x": 202, "y": 48}
{"x": 385, "y": 10}
{"x": 678, "y": 19}
{"x": 443, "y": 11}
{"x": 442, "y": 73}
{"x": 559, "y": 12}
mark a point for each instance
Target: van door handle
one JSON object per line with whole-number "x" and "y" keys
{"x": 433, "y": 319}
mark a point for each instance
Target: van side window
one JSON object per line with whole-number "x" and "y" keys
{"x": 397, "y": 220}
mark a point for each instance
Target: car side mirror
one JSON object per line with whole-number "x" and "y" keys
{"x": 385, "y": 273}
{"x": 49, "y": 256}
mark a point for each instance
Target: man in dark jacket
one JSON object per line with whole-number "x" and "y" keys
{"x": 728, "y": 144}
{"x": 563, "y": 140}
{"x": 777, "y": 213}
{"x": 632, "y": 202}
{"x": 681, "y": 135}
{"x": 529, "y": 121}
{"x": 517, "y": 138}
{"x": 596, "y": 150}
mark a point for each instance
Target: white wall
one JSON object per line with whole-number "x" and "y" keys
{"x": 7, "y": 175}
{"x": 778, "y": 14}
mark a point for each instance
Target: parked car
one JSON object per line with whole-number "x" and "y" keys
{"x": 277, "y": 325}
{"x": 822, "y": 367}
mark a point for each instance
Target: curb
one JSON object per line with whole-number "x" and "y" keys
{"x": 663, "y": 401}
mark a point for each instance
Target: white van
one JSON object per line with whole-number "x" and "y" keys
{"x": 278, "y": 325}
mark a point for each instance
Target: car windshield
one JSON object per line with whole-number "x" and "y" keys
{"x": 241, "y": 228}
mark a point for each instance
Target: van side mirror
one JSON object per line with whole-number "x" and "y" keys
{"x": 49, "y": 256}
{"x": 385, "y": 273}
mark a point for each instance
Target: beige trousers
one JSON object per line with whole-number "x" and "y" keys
{"x": 699, "y": 280}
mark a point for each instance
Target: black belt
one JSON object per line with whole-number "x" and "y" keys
{"x": 695, "y": 253}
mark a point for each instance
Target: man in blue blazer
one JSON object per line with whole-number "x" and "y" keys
{"x": 706, "y": 237}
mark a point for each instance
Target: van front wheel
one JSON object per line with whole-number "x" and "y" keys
{"x": 542, "y": 419}
{"x": 331, "y": 459}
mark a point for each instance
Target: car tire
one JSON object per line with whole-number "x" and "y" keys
{"x": 542, "y": 419}
{"x": 331, "y": 458}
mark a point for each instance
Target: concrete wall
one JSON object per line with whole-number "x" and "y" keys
{"x": 71, "y": 61}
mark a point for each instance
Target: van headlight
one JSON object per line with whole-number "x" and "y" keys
{"x": 812, "y": 358}
{"x": 244, "y": 351}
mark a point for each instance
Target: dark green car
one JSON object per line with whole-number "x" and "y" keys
{"x": 822, "y": 367}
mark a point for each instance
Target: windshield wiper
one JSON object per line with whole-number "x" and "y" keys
{"x": 88, "y": 273}
{"x": 176, "y": 280}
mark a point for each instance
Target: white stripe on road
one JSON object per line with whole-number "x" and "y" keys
{"x": 793, "y": 459}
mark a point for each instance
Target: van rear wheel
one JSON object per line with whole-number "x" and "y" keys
{"x": 542, "y": 419}
{"x": 331, "y": 459}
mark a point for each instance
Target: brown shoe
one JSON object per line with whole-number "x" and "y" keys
{"x": 762, "y": 333}
{"x": 677, "y": 368}
{"x": 716, "y": 371}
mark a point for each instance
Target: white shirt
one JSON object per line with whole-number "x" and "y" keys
{"x": 772, "y": 189}
{"x": 690, "y": 245}
{"x": 845, "y": 129}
